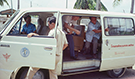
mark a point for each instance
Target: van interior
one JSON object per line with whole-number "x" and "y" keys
{"x": 84, "y": 61}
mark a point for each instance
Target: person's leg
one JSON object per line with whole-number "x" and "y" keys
{"x": 71, "y": 45}
{"x": 53, "y": 73}
{"x": 31, "y": 72}
{"x": 86, "y": 49}
{"x": 95, "y": 44}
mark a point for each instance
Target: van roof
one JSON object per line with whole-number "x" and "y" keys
{"x": 80, "y": 11}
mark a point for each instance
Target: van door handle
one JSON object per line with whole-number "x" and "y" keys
{"x": 48, "y": 48}
{"x": 106, "y": 42}
{"x": 2, "y": 45}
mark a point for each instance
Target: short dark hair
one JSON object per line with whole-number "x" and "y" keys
{"x": 80, "y": 16}
{"x": 77, "y": 16}
{"x": 25, "y": 17}
{"x": 52, "y": 19}
{"x": 92, "y": 17}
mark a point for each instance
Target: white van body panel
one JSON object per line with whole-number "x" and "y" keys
{"x": 117, "y": 51}
{"x": 15, "y": 51}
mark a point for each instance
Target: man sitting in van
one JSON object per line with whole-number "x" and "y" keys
{"x": 28, "y": 27}
{"x": 92, "y": 35}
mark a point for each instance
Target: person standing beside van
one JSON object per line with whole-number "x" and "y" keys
{"x": 61, "y": 45}
{"x": 28, "y": 27}
{"x": 69, "y": 22}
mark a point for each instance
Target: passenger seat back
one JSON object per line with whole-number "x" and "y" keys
{"x": 79, "y": 39}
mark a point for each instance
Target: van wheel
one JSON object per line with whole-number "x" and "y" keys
{"x": 115, "y": 73}
{"x": 40, "y": 74}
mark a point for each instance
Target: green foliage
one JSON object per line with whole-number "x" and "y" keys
{"x": 116, "y": 2}
{"x": 88, "y": 4}
{"x": 2, "y": 2}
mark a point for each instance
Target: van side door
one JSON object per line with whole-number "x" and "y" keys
{"x": 118, "y": 43}
{"x": 17, "y": 50}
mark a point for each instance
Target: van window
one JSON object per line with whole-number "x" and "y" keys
{"x": 119, "y": 26}
{"x": 8, "y": 21}
{"x": 85, "y": 22}
{"x": 17, "y": 28}
{"x": 39, "y": 19}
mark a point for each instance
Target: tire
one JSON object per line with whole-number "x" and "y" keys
{"x": 116, "y": 73}
{"x": 40, "y": 74}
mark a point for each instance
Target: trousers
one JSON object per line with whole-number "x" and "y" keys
{"x": 71, "y": 45}
{"x": 95, "y": 44}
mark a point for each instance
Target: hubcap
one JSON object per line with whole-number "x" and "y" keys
{"x": 117, "y": 71}
{"x": 38, "y": 75}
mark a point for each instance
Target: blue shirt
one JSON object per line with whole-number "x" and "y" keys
{"x": 90, "y": 34}
{"x": 29, "y": 29}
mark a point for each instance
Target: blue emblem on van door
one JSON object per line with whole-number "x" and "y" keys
{"x": 25, "y": 52}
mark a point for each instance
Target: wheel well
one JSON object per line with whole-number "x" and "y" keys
{"x": 113, "y": 75}
{"x": 20, "y": 71}
{"x": 16, "y": 72}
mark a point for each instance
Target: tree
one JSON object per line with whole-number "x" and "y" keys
{"x": 116, "y": 3}
{"x": 88, "y": 4}
{"x": 98, "y": 5}
{"x": 2, "y": 2}
{"x": 132, "y": 6}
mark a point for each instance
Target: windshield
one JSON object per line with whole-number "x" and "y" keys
{"x": 8, "y": 22}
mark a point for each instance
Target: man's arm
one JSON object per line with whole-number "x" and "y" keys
{"x": 107, "y": 29}
{"x": 97, "y": 31}
{"x": 72, "y": 29}
{"x": 65, "y": 41}
{"x": 65, "y": 46}
{"x": 31, "y": 34}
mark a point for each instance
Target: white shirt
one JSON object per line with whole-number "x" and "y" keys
{"x": 61, "y": 40}
{"x": 69, "y": 21}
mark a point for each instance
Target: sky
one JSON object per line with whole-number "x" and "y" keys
{"x": 123, "y": 7}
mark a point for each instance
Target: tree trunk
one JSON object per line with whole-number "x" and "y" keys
{"x": 132, "y": 6}
{"x": 18, "y": 7}
{"x": 98, "y": 5}
{"x": 86, "y": 5}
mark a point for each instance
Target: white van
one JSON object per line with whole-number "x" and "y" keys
{"x": 18, "y": 53}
